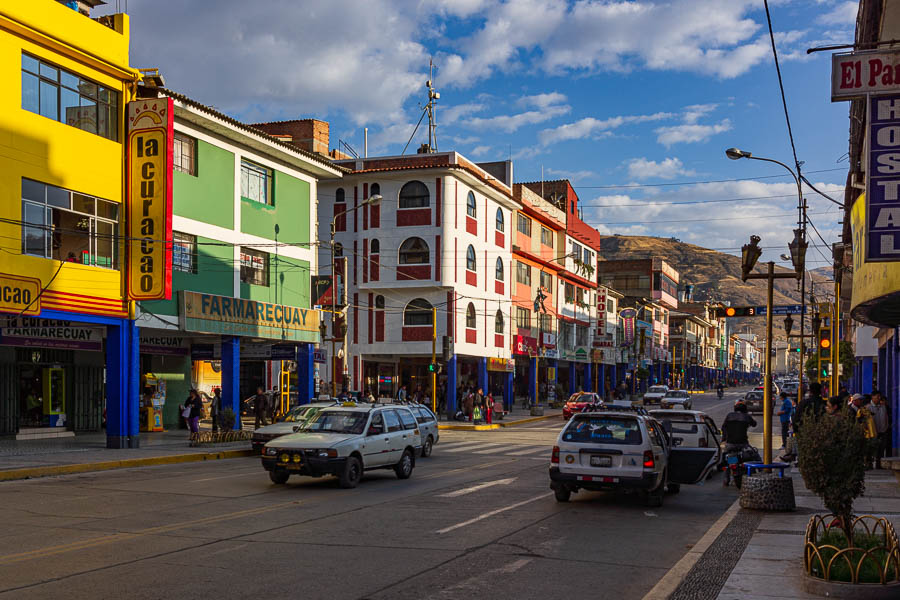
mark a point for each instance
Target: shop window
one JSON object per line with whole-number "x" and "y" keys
{"x": 500, "y": 221}
{"x": 256, "y": 182}
{"x": 414, "y": 194}
{"x": 414, "y": 251}
{"x": 498, "y": 322}
{"x": 254, "y": 267}
{"x": 470, "y": 258}
{"x": 184, "y": 252}
{"x": 581, "y": 335}
{"x": 65, "y": 225}
{"x": 470, "y": 316}
{"x": 471, "y": 208}
{"x": 523, "y": 318}
{"x": 546, "y": 236}
{"x": 63, "y": 96}
{"x": 185, "y": 151}
{"x": 545, "y": 322}
{"x": 498, "y": 273}
{"x": 523, "y": 273}
{"x": 418, "y": 313}
{"x": 547, "y": 281}
{"x": 523, "y": 224}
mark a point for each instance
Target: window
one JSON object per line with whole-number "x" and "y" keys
{"x": 255, "y": 182}
{"x": 471, "y": 209}
{"x": 470, "y": 258}
{"x": 576, "y": 251}
{"x": 523, "y": 318}
{"x": 184, "y": 152}
{"x": 414, "y": 251}
{"x": 500, "y": 221}
{"x": 547, "y": 281}
{"x": 545, "y": 322}
{"x": 65, "y": 97}
{"x": 69, "y": 226}
{"x": 546, "y": 236}
{"x": 470, "y": 316}
{"x": 418, "y": 312}
{"x": 407, "y": 419}
{"x": 570, "y": 293}
{"x": 375, "y": 247}
{"x": 414, "y": 194}
{"x": 374, "y": 189}
{"x": 523, "y": 224}
{"x": 184, "y": 252}
{"x": 379, "y": 301}
{"x": 572, "y": 207}
{"x": 391, "y": 421}
{"x": 579, "y": 295}
{"x": 254, "y": 267}
{"x": 523, "y": 273}
{"x": 339, "y": 195}
{"x": 338, "y": 250}
{"x": 581, "y": 335}
{"x": 498, "y": 322}
{"x": 604, "y": 429}
{"x": 498, "y": 274}
{"x": 566, "y": 335}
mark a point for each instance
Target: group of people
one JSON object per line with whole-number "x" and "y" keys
{"x": 476, "y": 407}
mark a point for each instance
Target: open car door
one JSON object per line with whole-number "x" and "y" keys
{"x": 691, "y": 463}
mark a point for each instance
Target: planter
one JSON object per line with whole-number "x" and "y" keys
{"x": 868, "y": 568}
{"x": 767, "y": 491}
{"x": 202, "y": 438}
{"x": 537, "y": 410}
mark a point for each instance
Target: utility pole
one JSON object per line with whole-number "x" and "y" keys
{"x": 433, "y": 359}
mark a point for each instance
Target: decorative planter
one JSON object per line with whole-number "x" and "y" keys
{"x": 537, "y": 410}
{"x": 828, "y": 567}
{"x": 202, "y": 438}
{"x": 766, "y": 491}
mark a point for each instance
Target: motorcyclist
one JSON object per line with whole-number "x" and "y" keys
{"x": 735, "y": 426}
{"x": 720, "y": 389}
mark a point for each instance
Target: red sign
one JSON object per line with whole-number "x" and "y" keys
{"x": 601, "y": 311}
{"x": 523, "y": 344}
{"x": 857, "y": 74}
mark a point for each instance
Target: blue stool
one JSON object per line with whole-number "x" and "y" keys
{"x": 756, "y": 466}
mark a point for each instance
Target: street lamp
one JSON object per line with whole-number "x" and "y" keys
{"x": 373, "y": 200}
{"x": 788, "y": 325}
{"x": 798, "y": 252}
{"x": 750, "y": 253}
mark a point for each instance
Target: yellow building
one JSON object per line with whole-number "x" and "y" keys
{"x": 66, "y": 80}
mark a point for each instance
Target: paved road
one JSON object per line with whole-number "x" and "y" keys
{"x": 717, "y": 409}
{"x": 222, "y": 530}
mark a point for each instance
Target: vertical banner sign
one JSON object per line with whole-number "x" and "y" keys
{"x": 883, "y": 179}
{"x": 628, "y": 316}
{"x": 148, "y": 212}
{"x": 601, "y": 311}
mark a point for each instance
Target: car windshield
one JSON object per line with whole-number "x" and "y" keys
{"x": 752, "y": 396}
{"x": 681, "y": 423}
{"x": 299, "y": 413}
{"x": 656, "y": 389}
{"x": 578, "y": 397}
{"x": 675, "y": 394}
{"x": 604, "y": 429}
{"x": 338, "y": 421}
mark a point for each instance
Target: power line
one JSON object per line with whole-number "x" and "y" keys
{"x": 677, "y": 183}
{"x": 582, "y": 204}
{"x": 787, "y": 117}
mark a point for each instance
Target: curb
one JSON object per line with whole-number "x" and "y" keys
{"x": 33, "y": 472}
{"x": 666, "y": 586}
{"x": 495, "y": 425}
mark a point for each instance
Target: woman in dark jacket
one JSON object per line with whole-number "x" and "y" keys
{"x": 196, "y": 406}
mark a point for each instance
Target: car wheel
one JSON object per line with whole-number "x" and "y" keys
{"x": 279, "y": 477}
{"x": 654, "y": 498}
{"x": 689, "y": 406}
{"x": 428, "y": 447}
{"x": 352, "y": 473}
{"x": 404, "y": 468}
{"x": 562, "y": 494}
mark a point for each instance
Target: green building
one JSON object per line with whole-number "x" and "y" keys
{"x": 244, "y": 232}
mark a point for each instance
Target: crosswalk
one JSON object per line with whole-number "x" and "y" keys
{"x": 536, "y": 451}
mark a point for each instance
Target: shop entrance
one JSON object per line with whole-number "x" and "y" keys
{"x": 415, "y": 375}
{"x": 379, "y": 379}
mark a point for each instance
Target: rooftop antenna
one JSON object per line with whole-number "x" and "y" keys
{"x": 433, "y": 96}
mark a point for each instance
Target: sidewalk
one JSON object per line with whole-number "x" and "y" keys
{"x": 517, "y": 416}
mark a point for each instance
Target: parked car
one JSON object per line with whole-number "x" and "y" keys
{"x": 689, "y": 428}
{"x": 578, "y": 401}
{"x": 346, "y": 441}
{"x": 293, "y": 420}
{"x": 655, "y": 394}
{"x": 676, "y": 399}
{"x": 623, "y": 450}
{"x": 428, "y": 427}
{"x": 755, "y": 401}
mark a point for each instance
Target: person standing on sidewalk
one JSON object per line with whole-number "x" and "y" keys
{"x": 196, "y": 405}
{"x": 215, "y": 408}
{"x": 260, "y": 408}
{"x": 882, "y": 417}
{"x": 787, "y": 410}
{"x": 811, "y": 407}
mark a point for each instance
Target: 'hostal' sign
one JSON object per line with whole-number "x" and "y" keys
{"x": 883, "y": 179}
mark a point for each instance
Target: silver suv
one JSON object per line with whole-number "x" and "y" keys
{"x": 345, "y": 441}
{"x": 623, "y": 450}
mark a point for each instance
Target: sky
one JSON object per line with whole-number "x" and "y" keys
{"x": 633, "y": 101}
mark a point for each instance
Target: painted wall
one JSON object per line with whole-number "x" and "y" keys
{"x": 207, "y": 196}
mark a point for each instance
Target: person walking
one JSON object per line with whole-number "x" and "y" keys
{"x": 811, "y": 407}
{"x": 215, "y": 408}
{"x": 193, "y": 408}
{"x": 401, "y": 394}
{"x": 260, "y": 408}
{"x": 785, "y": 413}
{"x": 468, "y": 404}
{"x": 882, "y": 417}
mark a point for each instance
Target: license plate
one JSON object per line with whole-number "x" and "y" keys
{"x": 601, "y": 461}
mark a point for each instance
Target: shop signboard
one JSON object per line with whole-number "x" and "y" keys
{"x": 581, "y": 354}
{"x": 524, "y": 344}
{"x": 320, "y": 286}
{"x": 49, "y": 333}
{"x": 601, "y": 310}
{"x": 628, "y": 316}
{"x": 319, "y": 356}
{"x": 856, "y": 74}
{"x": 20, "y": 295}
{"x": 874, "y": 284}
{"x": 596, "y": 356}
{"x": 148, "y": 201}
{"x": 248, "y": 351}
{"x": 223, "y": 315}
{"x": 501, "y": 364}
{"x": 552, "y": 353}
{"x": 549, "y": 340}
{"x": 882, "y": 233}
{"x": 163, "y": 344}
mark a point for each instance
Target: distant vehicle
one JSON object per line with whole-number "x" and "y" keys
{"x": 295, "y": 418}
{"x": 578, "y": 401}
{"x": 754, "y": 401}
{"x": 676, "y": 399}
{"x": 655, "y": 394}
{"x": 428, "y": 427}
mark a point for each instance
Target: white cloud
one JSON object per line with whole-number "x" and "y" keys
{"x": 542, "y": 100}
{"x": 454, "y": 113}
{"x": 844, "y": 13}
{"x": 510, "y": 123}
{"x": 693, "y": 112}
{"x": 479, "y": 151}
{"x": 668, "y": 168}
{"x": 573, "y": 176}
{"x": 690, "y": 133}
{"x": 589, "y": 127}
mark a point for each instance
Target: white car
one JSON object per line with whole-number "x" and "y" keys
{"x": 292, "y": 420}
{"x": 689, "y": 428}
{"x": 623, "y": 450}
{"x": 676, "y": 399}
{"x": 655, "y": 394}
{"x": 345, "y": 441}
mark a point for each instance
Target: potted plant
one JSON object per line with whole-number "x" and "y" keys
{"x": 841, "y": 549}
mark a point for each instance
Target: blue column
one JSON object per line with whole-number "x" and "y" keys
{"x": 588, "y": 377}
{"x": 451, "y": 386}
{"x": 508, "y": 392}
{"x": 231, "y": 376}
{"x": 601, "y": 380}
{"x": 882, "y": 369}
{"x": 483, "y": 374}
{"x": 532, "y": 376}
{"x": 865, "y": 376}
{"x": 572, "y": 389}
{"x": 122, "y": 380}
{"x": 306, "y": 370}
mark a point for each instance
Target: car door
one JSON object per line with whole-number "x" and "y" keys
{"x": 395, "y": 436}
{"x": 411, "y": 433}
{"x": 691, "y": 465}
{"x": 427, "y": 423}
{"x": 377, "y": 445}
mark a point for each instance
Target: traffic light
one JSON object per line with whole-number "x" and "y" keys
{"x": 446, "y": 351}
{"x": 432, "y": 368}
{"x": 734, "y": 311}
{"x": 824, "y": 336}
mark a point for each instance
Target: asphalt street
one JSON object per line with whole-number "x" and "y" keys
{"x": 476, "y": 520}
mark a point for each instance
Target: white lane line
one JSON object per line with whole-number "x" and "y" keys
{"x": 493, "y": 449}
{"x": 475, "y": 488}
{"x": 460, "y": 444}
{"x": 467, "y": 447}
{"x": 490, "y": 514}
{"x": 254, "y": 472}
{"x": 530, "y": 450}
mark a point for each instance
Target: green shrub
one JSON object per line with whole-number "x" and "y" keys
{"x": 870, "y": 570}
{"x": 228, "y": 419}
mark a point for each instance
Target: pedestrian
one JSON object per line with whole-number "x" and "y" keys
{"x": 882, "y": 417}
{"x": 370, "y": 397}
{"x": 478, "y": 406}
{"x": 193, "y": 408}
{"x": 787, "y": 410}
{"x": 215, "y": 408}
{"x": 401, "y": 394}
{"x": 860, "y": 414}
{"x": 834, "y": 406}
{"x": 812, "y": 407}
{"x": 468, "y": 405}
{"x": 260, "y": 408}
{"x": 489, "y": 409}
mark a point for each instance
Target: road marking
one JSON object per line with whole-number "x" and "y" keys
{"x": 468, "y": 446}
{"x": 493, "y": 449}
{"x": 490, "y": 514}
{"x": 458, "y": 444}
{"x": 475, "y": 488}
{"x": 253, "y": 472}
{"x": 531, "y": 450}
{"x": 121, "y": 537}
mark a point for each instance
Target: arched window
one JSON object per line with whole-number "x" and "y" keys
{"x": 498, "y": 322}
{"x": 414, "y": 194}
{"x": 379, "y": 301}
{"x": 471, "y": 209}
{"x": 417, "y": 312}
{"x": 338, "y": 249}
{"x": 376, "y": 247}
{"x": 500, "y": 222}
{"x": 498, "y": 275}
{"x": 339, "y": 195}
{"x": 470, "y": 316}
{"x": 414, "y": 251}
{"x": 374, "y": 189}
{"x": 470, "y": 258}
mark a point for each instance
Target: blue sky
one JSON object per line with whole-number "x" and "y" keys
{"x": 605, "y": 93}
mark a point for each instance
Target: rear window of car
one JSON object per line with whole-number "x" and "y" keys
{"x": 656, "y": 390}
{"x": 679, "y": 424}
{"x": 409, "y": 422}
{"x": 752, "y": 396}
{"x": 675, "y": 394}
{"x": 423, "y": 415}
{"x": 604, "y": 429}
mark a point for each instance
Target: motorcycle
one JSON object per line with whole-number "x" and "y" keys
{"x": 721, "y": 394}
{"x": 734, "y": 463}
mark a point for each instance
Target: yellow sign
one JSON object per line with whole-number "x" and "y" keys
{"x": 20, "y": 295}
{"x": 500, "y": 364}
{"x": 149, "y": 201}
{"x": 873, "y": 282}
{"x": 208, "y": 313}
